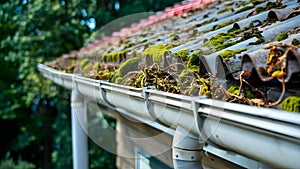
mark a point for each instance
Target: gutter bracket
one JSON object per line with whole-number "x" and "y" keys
{"x": 199, "y": 122}
{"x": 145, "y": 95}
{"x": 104, "y": 97}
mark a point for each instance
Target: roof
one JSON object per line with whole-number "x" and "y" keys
{"x": 250, "y": 47}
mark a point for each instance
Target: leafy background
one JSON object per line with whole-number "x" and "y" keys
{"x": 35, "y": 113}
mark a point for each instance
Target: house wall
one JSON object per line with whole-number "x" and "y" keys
{"x": 155, "y": 143}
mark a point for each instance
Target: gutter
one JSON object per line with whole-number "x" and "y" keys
{"x": 250, "y": 134}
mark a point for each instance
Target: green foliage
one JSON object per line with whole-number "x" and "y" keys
{"x": 9, "y": 163}
{"x": 33, "y": 32}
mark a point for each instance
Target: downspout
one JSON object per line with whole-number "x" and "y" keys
{"x": 79, "y": 137}
{"x": 186, "y": 150}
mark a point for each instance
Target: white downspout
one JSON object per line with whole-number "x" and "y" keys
{"x": 79, "y": 137}
{"x": 186, "y": 150}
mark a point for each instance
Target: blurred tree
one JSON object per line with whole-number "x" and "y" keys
{"x": 34, "y": 113}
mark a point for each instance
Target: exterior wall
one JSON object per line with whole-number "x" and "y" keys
{"x": 153, "y": 143}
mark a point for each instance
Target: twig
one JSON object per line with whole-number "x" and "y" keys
{"x": 281, "y": 96}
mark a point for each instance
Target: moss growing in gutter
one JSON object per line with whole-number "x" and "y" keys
{"x": 157, "y": 52}
{"x": 282, "y": 36}
{"x": 230, "y": 53}
{"x": 234, "y": 89}
{"x": 291, "y": 103}
{"x": 84, "y": 64}
{"x": 129, "y": 65}
{"x": 182, "y": 54}
{"x": 194, "y": 60}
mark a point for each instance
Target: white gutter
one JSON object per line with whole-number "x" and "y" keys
{"x": 252, "y": 133}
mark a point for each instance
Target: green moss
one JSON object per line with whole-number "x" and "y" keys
{"x": 221, "y": 41}
{"x": 115, "y": 57}
{"x": 244, "y": 9}
{"x": 84, "y": 63}
{"x": 129, "y": 65}
{"x": 96, "y": 65}
{"x": 295, "y": 42}
{"x": 225, "y": 10}
{"x": 249, "y": 95}
{"x": 270, "y": 5}
{"x": 157, "y": 52}
{"x": 230, "y": 53}
{"x": 174, "y": 38}
{"x": 194, "y": 60}
{"x": 254, "y": 23}
{"x": 216, "y": 27}
{"x": 291, "y": 103}
{"x": 271, "y": 20}
{"x": 182, "y": 54}
{"x": 282, "y": 36}
{"x": 258, "y": 41}
{"x": 256, "y": 2}
{"x": 234, "y": 89}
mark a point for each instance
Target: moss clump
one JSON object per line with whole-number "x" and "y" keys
{"x": 84, "y": 64}
{"x": 234, "y": 89}
{"x": 157, "y": 52}
{"x": 230, "y": 53}
{"x": 258, "y": 41}
{"x": 270, "y": 5}
{"x": 194, "y": 60}
{"x": 221, "y": 41}
{"x": 295, "y": 42}
{"x": 282, "y": 36}
{"x": 129, "y": 65}
{"x": 216, "y": 27}
{"x": 291, "y": 103}
{"x": 115, "y": 57}
{"x": 182, "y": 54}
